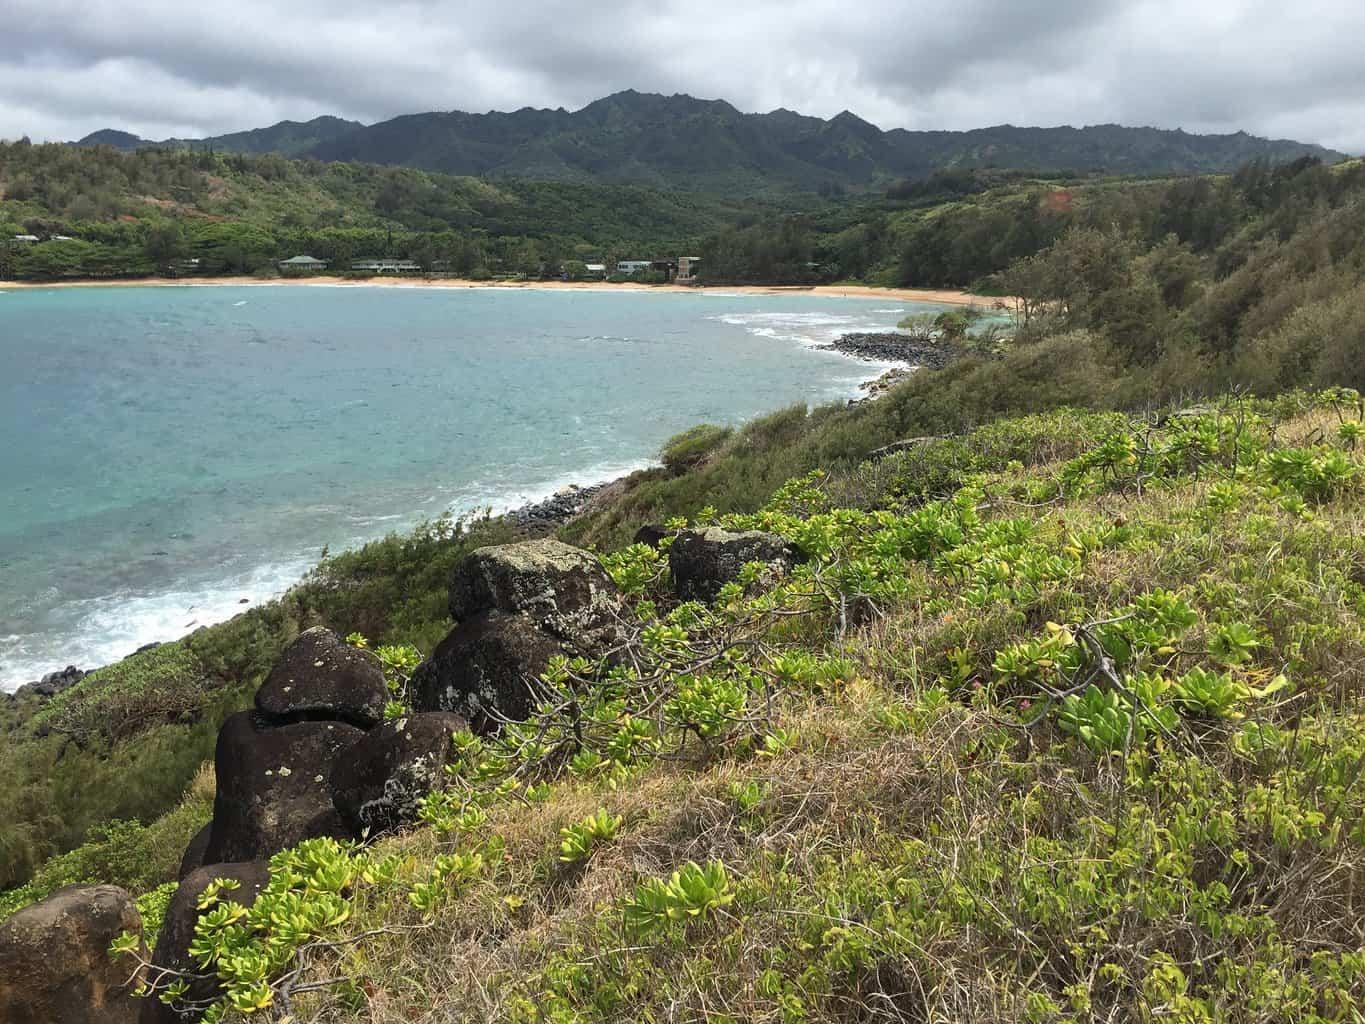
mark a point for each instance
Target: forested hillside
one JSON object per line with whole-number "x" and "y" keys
{"x": 687, "y": 144}
{"x": 136, "y": 214}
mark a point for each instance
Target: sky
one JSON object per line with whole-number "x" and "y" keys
{"x": 163, "y": 68}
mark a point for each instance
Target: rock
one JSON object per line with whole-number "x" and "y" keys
{"x": 273, "y": 786}
{"x": 563, "y": 588}
{"x": 319, "y": 675}
{"x": 557, "y": 509}
{"x": 379, "y": 780}
{"x": 651, "y": 534}
{"x": 704, "y": 560}
{"x": 173, "y": 944}
{"x": 486, "y": 669}
{"x": 54, "y": 959}
{"x": 517, "y": 606}
{"x": 193, "y": 857}
{"x": 51, "y": 684}
{"x": 893, "y": 347}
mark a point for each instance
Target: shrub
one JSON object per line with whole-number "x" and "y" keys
{"x": 690, "y": 448}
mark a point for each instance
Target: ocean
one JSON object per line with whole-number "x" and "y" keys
{"x": 167, "y": 453}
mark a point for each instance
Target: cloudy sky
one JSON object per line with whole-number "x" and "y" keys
{"x": 170, "y": 67}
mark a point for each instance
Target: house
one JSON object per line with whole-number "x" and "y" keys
{"x": 596, "y": 269}
{"x": 687, "y": 267}
{"x": 303, "y": 263}
{"x": 632, "y": 267}
{"x": 387, "y": 266}
{"x": 61, "y": 238}
{"x": 24, "y": 239}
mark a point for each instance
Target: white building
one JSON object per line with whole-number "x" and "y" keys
{"x": 388, "y": 266}
{"x": 632, "y": 267}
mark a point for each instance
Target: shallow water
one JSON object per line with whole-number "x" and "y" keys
{"x": 167, "y": 452}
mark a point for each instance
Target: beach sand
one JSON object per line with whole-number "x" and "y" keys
{"x": 947, "y": 297}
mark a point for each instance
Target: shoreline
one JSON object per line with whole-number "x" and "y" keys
{"x": 942, "y": 296}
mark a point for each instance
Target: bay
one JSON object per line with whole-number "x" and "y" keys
{"x": 166, "y": 453}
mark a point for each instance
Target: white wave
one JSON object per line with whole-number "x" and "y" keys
{"x": 102, "y": 630}
{"x": 498, "y": 498}
{"x": 242, "y": 303}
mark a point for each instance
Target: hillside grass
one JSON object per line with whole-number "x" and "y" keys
{"x": 1075, "y": 734}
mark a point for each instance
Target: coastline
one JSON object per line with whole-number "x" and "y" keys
{"x": 547, "y": 506}
{"x": 847, "y": 291}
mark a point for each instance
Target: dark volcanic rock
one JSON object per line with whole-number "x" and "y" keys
{"x": 486, "y": 670}
{"x": 650, "y": 534}
{"x": 557, "y": 509}
{"x": 54, "y": 959}
{"x": 517, "y": 606}
{"x": 378, "y": 782}
{"x": 319, "y": 675}
{"x": 193, "y": 857}
{"x": 703, "y": 561}
{"x": 563, "y": 588}
{"x": 173, "y": 944}
{"x": 273, "y": 786}
{"x": 891, "y": 347}
{"x": 51, "y": 684}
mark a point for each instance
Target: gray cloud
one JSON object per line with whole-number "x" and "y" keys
{"x": 160, "y": 68}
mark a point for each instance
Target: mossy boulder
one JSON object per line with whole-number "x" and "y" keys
{"x": 54, "y": 959}
{"x": 564, "y": 589}
{"x": 704, "y": 560}
{"x": 518, "y": 605}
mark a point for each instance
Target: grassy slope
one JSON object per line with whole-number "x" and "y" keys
{"x": 914, "y": 832}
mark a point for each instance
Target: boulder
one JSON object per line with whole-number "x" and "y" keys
{"x": 563, "y": 589}
{"x": 704, "y": 560}
{"x": 54, "y": 959}
{"x": 651, "y": 534}
{"x": 486, "y": 669}
{"x": 177, "y": 931}
{"x": 517, "y": 605}
{"x": 193, "y": 857}
{"x": 319, "y": 675}
{"x": 274, "y": 786}
{"x": 378, "y": 782}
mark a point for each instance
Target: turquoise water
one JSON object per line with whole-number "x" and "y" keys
{"x": 167, "y": 452}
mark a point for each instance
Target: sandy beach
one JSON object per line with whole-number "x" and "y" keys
{"x": 945, "y": 296}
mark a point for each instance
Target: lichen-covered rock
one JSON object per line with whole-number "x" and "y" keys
{"x": 274, "y": 786}
{"x": 193, "y": 857}
{"x": 177, "y": 932}
{"x": 517, "y": 605}
{"x": 563, "y": 589}
{"x": 378, "y": 782}
{"x": 319, "y": 675}
{"x": 54, "y": 959}
{"x": 486, "y": 670}
{"x": 704, "y": 560}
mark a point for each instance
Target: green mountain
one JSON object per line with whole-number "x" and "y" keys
{"x": 680, "y": 142}
{"x": 288, "y": 138}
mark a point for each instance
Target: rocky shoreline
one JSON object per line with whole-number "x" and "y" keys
{"x": 893, "y": 347}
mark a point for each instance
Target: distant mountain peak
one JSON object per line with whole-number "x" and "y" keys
{"x": 682, "y": 142}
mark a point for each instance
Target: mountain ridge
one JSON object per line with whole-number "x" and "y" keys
{"x": 693, "y": 144}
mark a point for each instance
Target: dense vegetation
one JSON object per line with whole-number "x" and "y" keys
{"x": 682, "y": 143}
{"x": 1079, "y": 738}
{"x": 138, "y": 214}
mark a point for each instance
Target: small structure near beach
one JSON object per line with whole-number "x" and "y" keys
{"x": 387, "y": 266}
{"x": 305, "y": 264}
